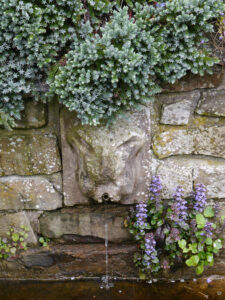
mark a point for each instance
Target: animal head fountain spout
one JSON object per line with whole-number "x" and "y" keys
{"x": 106, "y": 197}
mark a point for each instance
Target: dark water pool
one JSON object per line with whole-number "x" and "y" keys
{"x": 201, "y": 289}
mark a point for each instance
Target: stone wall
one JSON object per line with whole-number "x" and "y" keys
{"x": 66, "y": 181}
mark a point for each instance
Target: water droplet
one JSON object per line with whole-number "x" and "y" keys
{"x": 181, "y": 280}
{"x": 120, "y": 291}
{"x": 219, "y": 293}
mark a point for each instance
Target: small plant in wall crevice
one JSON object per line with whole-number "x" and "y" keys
{"x": 15, "y": 242}
{"x": 183, "y": 231}
{"x": 44, "y": 241}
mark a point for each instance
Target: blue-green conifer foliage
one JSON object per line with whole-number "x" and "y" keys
{"x": 99, "y": 57}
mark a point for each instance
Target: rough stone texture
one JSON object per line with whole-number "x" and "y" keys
{"x": 87, "y": 260}
{"x": 71, "y": 261}
{"x": 106, "y": 160}
{"x": 29, "y": 155}
{"x": 192, "y": 82}
{"x": 176, "y": 141}
{"x": 39, "y": 259}
{"x": 188, "y": 171}
{"x": 86, "y": 222}
{"x": 212, "y": 104}
{"x": 33, "y": 217}
{"x": 33, "y": 116}
{"x": 16, "y": 219}
{"x": 214, "y": 179}
{"x": 175, "y": 173}
{"x": 176, "y": 113}
{"x": 36, "y": 193}
{"x": 118, "y": 160}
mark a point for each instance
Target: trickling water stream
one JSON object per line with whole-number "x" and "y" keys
{"x": 106, "y": 280}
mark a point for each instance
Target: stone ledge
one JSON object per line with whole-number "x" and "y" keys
{"x": 86, "y": 260}
{"x": 86, "y": 221}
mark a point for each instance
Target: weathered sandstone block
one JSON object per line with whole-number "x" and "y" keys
{"x": 33, "y": 116}
{"x": 36, "y": 193}
{"x": 176, "y": 113}
{"x": 29, "y": 155}
{"x": 204, "y": 141}
{"x": 212, "y": 104}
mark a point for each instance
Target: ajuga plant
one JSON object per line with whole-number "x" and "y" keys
{"x": 100, "y": 57}
{"x": 183, "y": 231}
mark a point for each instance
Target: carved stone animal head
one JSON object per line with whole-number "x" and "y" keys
{"x": 110, "y": 159}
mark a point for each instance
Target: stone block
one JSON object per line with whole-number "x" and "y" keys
{"x": 37, "y": 193}
{"x": 175, "y": 173}
{"x": 87, "y": 221}
{"x": 188, "y": 171}
{"x": 212, "y": 103}
{"x": 33, "y": 116}
{"x": 29, "y": 155}
{"x": 16, "y": 220}
{"x": 213, "y": 177}
{"x": 177, "y": 108}
{"x": 176, "y": 113}
{"x": 203, "y": 141}
{"x": 105, "y": 160}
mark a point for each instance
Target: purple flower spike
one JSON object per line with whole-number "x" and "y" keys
{"x": 208, "y": 229}
{"x": 179, "y": 206}
{"x": 141, "y": 215}
{"x": 155, "y": 189}
{"x": 200, "y": 197}
{"x": 163, "y": 4}
{"x": 150, "y": 250}
{"x": 150, "y": 244}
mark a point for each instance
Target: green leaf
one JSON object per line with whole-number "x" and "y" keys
{"x": 193, "y": 248}
{"x": 15, "y": 237}
{"x": 209, "y": 257}
{"x": 192, "y": 261}
{"x": 201, "y": 221}
{"x": 200, "y": 269}
{"x": 41, "y": 240}
{"x": 208, "y": 241}
{"x": 182, "y": 243}
{"x": 222, "y": 218}
{"x": 209, "y": 212}
{"x": 217, "y": 244}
